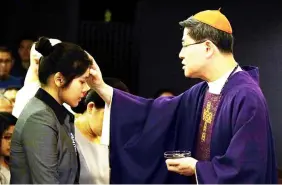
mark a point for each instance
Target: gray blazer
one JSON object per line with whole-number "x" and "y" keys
{"x": 43, "y": 149}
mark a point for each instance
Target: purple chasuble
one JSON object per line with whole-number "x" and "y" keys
{"x": 241, "y": 144}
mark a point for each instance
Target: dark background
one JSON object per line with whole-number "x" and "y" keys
{"x": 141, "y": 43}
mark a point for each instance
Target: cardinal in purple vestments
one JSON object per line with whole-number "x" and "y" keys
{"x": 224, "y": 120}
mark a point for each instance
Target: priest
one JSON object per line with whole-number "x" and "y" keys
{"x": 224, "y": 120}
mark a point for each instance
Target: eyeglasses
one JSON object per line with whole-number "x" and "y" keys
{"x": 199, "y": 42}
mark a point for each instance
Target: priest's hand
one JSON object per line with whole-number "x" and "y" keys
{"x": 96, "y": 82}
{"x": 95, "y": 79}
{"x": 184, "y": 166}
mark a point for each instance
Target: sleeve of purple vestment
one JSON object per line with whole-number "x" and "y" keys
{"x": 141, "y": 130}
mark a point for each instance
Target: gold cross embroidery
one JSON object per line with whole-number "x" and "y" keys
{"x": 207, "y": 117}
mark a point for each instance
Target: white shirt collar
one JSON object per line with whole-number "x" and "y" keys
{"x": 216, "y": 86}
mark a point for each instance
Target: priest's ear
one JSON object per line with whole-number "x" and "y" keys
{"x": 90, "y": 107}
{"x": 210, "y": 48}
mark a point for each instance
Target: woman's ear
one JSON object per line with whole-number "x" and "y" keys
{"x": 59, "y": 79}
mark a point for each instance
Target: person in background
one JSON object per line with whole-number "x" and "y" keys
{"x": 23, "y": 60}
{"x": 164, "y": 92}
{"x": 7, "y": 125}
{"x": 94, "y": 155}
{"x": 11, "y": 93}
{"x": 5, "y": 104}
{"x": 6, "y": 65}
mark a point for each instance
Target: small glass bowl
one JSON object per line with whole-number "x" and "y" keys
{"x": 177, "y": 154}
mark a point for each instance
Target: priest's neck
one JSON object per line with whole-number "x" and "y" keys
{"x": 219, "y": 67}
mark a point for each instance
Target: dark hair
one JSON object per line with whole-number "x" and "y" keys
{"x": 200, "y": 31}
{"x": 67, "y": 58}
{"x": 163, "y": 90}
{"x": 92, "y": 96}
{"x": 6, "y": 120}
{"x": 5, "y": 49}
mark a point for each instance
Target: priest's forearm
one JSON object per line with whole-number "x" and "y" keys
{"x": 105, "y": 92}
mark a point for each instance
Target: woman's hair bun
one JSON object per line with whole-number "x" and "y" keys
{"x": 44, "y": 46}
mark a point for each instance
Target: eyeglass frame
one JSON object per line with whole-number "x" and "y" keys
{"x": 198, "y": 42}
